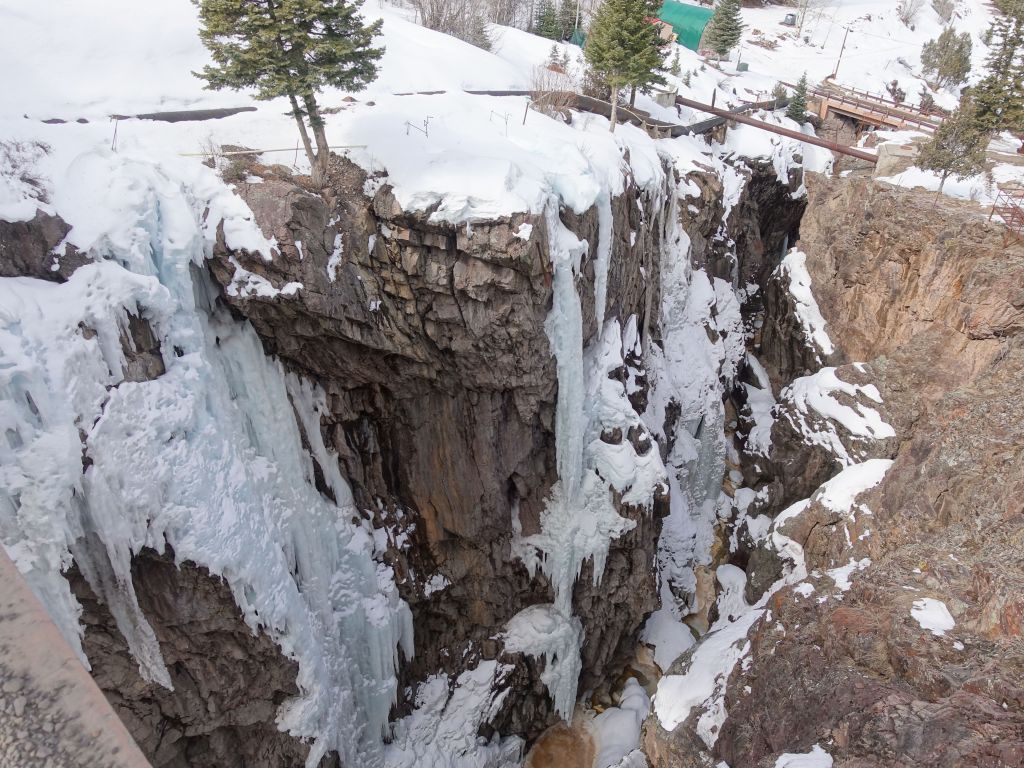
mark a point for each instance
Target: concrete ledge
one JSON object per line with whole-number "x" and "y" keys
{"x": 52, "y": 714}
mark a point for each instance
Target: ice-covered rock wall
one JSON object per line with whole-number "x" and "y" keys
{"x": 207, "y": 446}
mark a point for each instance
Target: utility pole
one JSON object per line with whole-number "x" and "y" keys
{"x": 803, "y": 16}
{"x": 843, "y": 48}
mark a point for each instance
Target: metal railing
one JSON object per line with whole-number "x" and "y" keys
{"x": 886, "y": 115}
{"x": 1009, "y": 207}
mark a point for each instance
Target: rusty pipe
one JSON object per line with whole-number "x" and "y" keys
{"x": 739, "y": 118}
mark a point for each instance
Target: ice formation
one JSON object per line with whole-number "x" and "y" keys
{"x": 442, "y": 729}
{"x": 617, "y": 729}
{"x": 216, "y": 469}
{"x": 687, "y": 372}
{"x": 580, "y": 519}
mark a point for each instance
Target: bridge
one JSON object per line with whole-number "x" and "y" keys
{"x": 871, "y": 108}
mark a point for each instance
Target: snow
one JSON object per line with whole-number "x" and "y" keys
{"x": 232, "y": 486}
{"x": 841, "y": 575}
{"x": 702, "y": 686}
{"x": 761, "y": 403}
{"x": 667, "y": 634}
{"x": 335, "y": 258}
{"x": 840, "y": 493}
{"x": 816, "y": 758}
{"x": 248, "y": 284}
{"x": 217, "y": 469}
{"x": 814, "y": 398}
{"x": 617, "y": 729}
{"x": 932, "y": 615}
{"x": 709, "y": 669}
{"x": 524, "y": 232}
{"x": 442, "y": 729}
{"x": 981, "y": 188}
{"x": 794, "y": 267}
{"x": 545, "y": 632}
{"x": 781, "y": 151}
{"x": 437, "y": 583}
{"x": 878, "y": 49}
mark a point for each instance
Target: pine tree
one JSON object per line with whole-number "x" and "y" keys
{"x": 725, "y": 28}
{"x": 649, "y": 59}
{"x": 797, "y": 109}
{"x": 290, "y": 48}
{"x": 675, "y": 67}
{"x": 622, "y": 48}
{"x": 567, "y": 12}
{"x": 554, "y": 62}
{"x": 779, "y": 93}
{"x": 1000, "y": 95}
{"x": 547, "y": 24}
{"x": 947, "y": 59}
{"x": 958, "y": 146}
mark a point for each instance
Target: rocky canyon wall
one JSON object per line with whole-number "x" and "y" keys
{"x": 921, "y": 301}
{"x": 429, "y": 343}
{"x": 429, "y": 340}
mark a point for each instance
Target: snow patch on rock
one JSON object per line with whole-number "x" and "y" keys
{"x": 932, "y": 615}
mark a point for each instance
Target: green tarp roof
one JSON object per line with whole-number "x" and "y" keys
{"x": 688, "y": 21}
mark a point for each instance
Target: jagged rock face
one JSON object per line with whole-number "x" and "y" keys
{"x": 782, "y": 349}
{"x": 27, "y": 249}
{"x": 228, "y": 682}
{"x": 429, "y": 340}
{"x": 764, "y": 219}
{"x": 930, "y": 297}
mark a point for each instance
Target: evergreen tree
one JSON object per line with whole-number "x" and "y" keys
{"x": 958, "y": 146}
{"x": 547, "y": 24}
{"x": 1000, "y": 95}
{"x": 797, "y": 109}
{"x": 567, "y": 11}
{"x": 725, "y": 28}
{"x": 779, "y": 93}
{"x": 553, "y": 62}
{"x": 622, "y": 48}
{"x": 947, "y": 59}
{"x": 675, "y": 68}
{"x": 650, "y": 57}
{"x": 290, "y": 48}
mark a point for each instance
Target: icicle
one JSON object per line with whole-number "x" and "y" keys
{"x": 603, "y": 259}
{"x": 580, "y": 519}
{"x": 564, "y": 327}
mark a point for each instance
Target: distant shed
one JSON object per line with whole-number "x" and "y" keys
{"x": 688, "y": 22}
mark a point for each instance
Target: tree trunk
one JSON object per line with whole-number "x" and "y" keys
{"x": 297, "y": 113}
{"x": 323, "y": 152}
{"x": 615, "y": 107}
{"x": 632, "y": 98}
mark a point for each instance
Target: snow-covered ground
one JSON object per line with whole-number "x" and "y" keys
{"x": 878, "y": 49}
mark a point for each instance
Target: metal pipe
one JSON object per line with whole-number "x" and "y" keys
{"x": 740, "y": 118}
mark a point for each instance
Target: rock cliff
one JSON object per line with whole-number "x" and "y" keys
{"x": 430, "y": 342}
{"x": 924, "y": 298}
